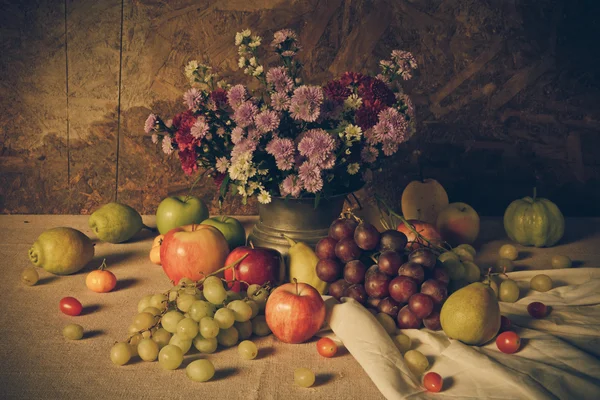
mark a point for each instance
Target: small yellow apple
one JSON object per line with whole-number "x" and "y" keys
{"x": 423, "y": 200}
{"x": 155, "y": 250}
{"x": 458, "y": 223}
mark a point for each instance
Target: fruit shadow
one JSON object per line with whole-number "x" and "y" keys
{"x": 143, "y": 235}
{"x": 112, "y": 260}
{"x": 323, "y": 379}
{"x": 92, "y": 334}
{"x": 47, "y": 279}
{"x": 447, "y": 383}
{"x": 524, "y": 254}
{"x": 87, "y": 310}
{"x": 265, "y": 352}
{"x": 126, "y": 283}
{"x": 224, "y": 373}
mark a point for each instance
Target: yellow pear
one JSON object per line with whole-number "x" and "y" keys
{"x": 423, "y": 200}
{"x": 471, "y": 314}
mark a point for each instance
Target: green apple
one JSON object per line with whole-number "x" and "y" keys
{"x": 231, "y": 228}
{"x": 175, "y": 211}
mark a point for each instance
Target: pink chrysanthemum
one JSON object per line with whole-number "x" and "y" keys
{"x": 280, "y": 80}
{"x": 306, "y": 103}
{"x": 237, "y": 134}
{"x": 281, "y": 36}
{"x": 236, "y": 96}
{"x": 410, "y": 107}
{"x": 280, "y": 101}
{"x": 405, "y": 63}
{"x": 290, "y": 186}
{"x": 167, "y": 145}
{"x": 390, "y": 131}
{"x": 244, "y": 146}
{"x": 244, "y": 115}
{"x": 310, "y": 176}
{"x": 193, "y": 98}
{"x": 283, "y": 150}
{"x": 199, "y": 129}
{"x": 267, "y": 121}
{"x": 317, "y": 145}
{"x": 150, "y": 123}
{"x": 369, "y": 154}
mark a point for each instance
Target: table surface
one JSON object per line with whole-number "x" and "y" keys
{"x": 37, "y": 362}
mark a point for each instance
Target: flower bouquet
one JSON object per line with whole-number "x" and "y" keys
{"x": 288, "y": 138}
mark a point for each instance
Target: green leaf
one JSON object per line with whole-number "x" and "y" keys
{"x": 317, "y": 199}
{"x": 224, "y": 187}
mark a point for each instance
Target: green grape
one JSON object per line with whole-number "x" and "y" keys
{"x": 416, "y": 361}
{"x": 73, "y": 332}
{"x": 216, "y": 294}
{"x": 209, "y": 327}
{"x": 463, "y": 254}
{"x": 144, "y": 303}
{"x": 183, "y": 343}
{"x": 184, "y": 301}
{"x": 455, "y": 269}
{"x": 147, "y": 349}
{"x": 468, "y": 248}
{"x": 30, "y": 276}
{"x": 247, "y": 350}
{"x": 228, "y": 337}
{"x": 200, "y": 370}
{"x": 254, "y": 306}
{"x": 131, "y": 329}
{"x": 152, "y": 310}
{"x": 258, "y": 294}
{"x": 224, "y": 317}
{"x": 504, "y": 265}
{"x": 162, "y": 337}
{"x": 147, "y": 334}
{"x": 241, "y": 310}
{"x": 472, "y": 271}
{"x": 304, "y": 377}
{"x": 561, "y": 262}
{"x": 185, "y": 281}
{"x": 200, "y": 309}
{"x": 260, "y": 327}
{"x": 387, "y": 322}
{"x": 541, "y": 283}
{"x": 448, "y": 255}
{"x": 508, "y": 291}
{"x": 212, "y": 280}
{"x": 120, "y": 353}
{"x": 170, "y": 357}
{"x": 187, "y": 328}
{"x": 231, "y": 296}
{"x": 509, "y": 252}
{"x": 402, "y": 342}
{"x": 143, "y": 321}
{"x": 194, "y": 291}
{"x": 205, "y": 345}
{"x": 170, "y": 320}
{"x": 174, "y": 292}
{"x": 159, "y": 301}
{"x": 244, "y": 329}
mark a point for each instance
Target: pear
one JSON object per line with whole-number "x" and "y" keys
{"x": 115, "y": 222}
{"x": 61, "y": 251}
{"x": 471, "y": 314}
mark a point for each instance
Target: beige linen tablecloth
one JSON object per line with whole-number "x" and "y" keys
{"x": 37, "y": 362}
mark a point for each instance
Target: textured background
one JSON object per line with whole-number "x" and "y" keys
{"x": 507, "y": 93}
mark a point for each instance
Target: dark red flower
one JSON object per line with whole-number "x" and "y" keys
{"x": 183, "y": 124}
{"x": 219, "y": 178}
{"x": 351, "y": 78}
{"x": 367, "y": 114}
{"x": 219, "y": 96}
{"x": 188, "y": 160}
{"x": 336, "y": 91}
{"x": 371, "y": 89}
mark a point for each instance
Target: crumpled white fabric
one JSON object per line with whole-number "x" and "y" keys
{"x": 558, "y": 358}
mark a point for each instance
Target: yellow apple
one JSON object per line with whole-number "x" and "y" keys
{"x": 458, "y": 223}
{"x": 423, "y": 200}
{"x": 155, "y": 250}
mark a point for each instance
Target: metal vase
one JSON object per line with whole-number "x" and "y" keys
{"x": 295, "y": 218}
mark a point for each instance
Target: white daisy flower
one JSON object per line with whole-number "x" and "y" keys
{"x": 264, "y": 197}
{"x": 353, "y": 168}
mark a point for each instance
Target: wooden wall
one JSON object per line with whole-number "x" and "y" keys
{"x": 506, "y": 94}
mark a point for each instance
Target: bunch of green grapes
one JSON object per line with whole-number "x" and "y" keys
{"x": 201, "y": 315}
{"x": 460, "y": 267}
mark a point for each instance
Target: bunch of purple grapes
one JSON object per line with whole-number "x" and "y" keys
{"x": 377, "y": 270}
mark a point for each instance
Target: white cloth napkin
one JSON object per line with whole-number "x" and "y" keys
{"x": 557, "y": 359}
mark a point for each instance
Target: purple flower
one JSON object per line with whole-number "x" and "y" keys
{"x": 280, "y": 101}
{"x": 283, "y": 150}
{"x": 199, "y": 129}
{"x": 410, "y": 107}
{"x": 306, "y": 103}
{"x": 193, "y": 98}
{"x": 318, "y": 146}
{"x": 281, "y": 36}
{"x": 150, "y": 123}
{"x": 237, "y": 134}
{"x": 310, "y": 176}
{"x": 290, "y": 186}
{"x": 236, "y": 96}
{"x": 267, "y": 121}
{"x": 404, "y": 62}
{"x": 390, "y": 131}
{"x": 280, "y": 80}
{"x": 244, "y": 115}
{"x": 243, "y": 147}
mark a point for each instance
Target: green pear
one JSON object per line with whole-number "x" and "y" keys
{"x": 61, "y": 251}
{"x": 471, "y": 314}
{"x": 115, "y": 222}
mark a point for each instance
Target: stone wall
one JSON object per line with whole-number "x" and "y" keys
{"x": 506, "y": 94}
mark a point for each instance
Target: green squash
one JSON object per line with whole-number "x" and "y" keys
{"x": 534, "y": 222}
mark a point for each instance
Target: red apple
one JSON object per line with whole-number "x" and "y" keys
{"x": 424, "y": 229}
{"x": 295, "y": 312}
{"x": 260, "y": 266}
{"x": 193, "y": 251}
{"x": 458, "y": 223}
